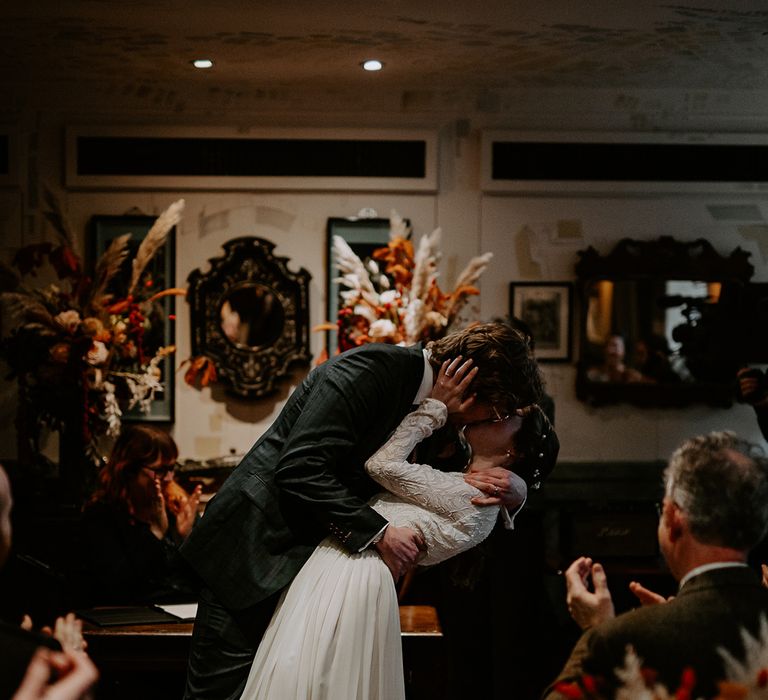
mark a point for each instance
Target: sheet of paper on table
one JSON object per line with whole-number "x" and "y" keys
{"x": 184, "y": 611}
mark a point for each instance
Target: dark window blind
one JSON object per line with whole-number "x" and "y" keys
{"x": 250, "y": 157}
{"x": 629, "y": 162}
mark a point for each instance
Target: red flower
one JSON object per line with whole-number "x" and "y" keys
{"x": 649, "y": 676}
{"x": 688, "y": 678}
{"x": 589, "y": 683}
{"x": 687, "y": 682}
{"x": 569, "y": 690}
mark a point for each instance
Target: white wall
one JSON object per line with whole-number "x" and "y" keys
{"x": 523, "y": 234}
{"x": 520, "y": 231}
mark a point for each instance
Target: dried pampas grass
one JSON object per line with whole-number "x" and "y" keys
{"x": 29, "y": 308}
{"x": 354, "y": 275}
{"x": 56, "y": 216}
{"x": 425, "y": 264}
{"x": 108, "y": 266}
{"x": 155, "y": 240}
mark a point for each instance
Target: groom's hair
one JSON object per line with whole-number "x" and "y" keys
{"x": 508, "y": 376}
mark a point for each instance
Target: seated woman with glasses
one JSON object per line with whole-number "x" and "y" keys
{"x": 135, "y": 521}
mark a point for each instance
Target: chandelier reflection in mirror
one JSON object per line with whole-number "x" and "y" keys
{"x": 250, "y": 316}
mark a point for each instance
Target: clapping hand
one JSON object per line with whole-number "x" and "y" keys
{"x": 158, "y": 516}
{"x": 647, "y": 596}
{"x": 67, "y": 630}
{"x": 752, "y": 387}
{"x": 187, "y": 514}
{"x": 588, "y": 608}
{"x": 55, "y": 675}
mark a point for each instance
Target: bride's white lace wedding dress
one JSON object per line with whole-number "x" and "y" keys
{"x": 335, "y": 634}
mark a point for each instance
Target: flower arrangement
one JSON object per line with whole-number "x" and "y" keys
{"x": 401, "y": 303}
{"x": 744, "y": 680}
{"x": 76, "y": 344}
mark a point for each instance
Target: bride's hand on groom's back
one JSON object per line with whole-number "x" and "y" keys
{"x": 400, "y": 548}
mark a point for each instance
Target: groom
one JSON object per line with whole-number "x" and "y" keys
{"x": 304, "y": 479}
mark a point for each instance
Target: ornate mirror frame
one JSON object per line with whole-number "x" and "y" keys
{"x": 249, "y": 261}
{"x": 658, "y": 260}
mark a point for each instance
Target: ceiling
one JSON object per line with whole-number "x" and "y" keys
{"x": 143, "y": 48}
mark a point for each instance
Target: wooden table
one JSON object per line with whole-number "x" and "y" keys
{"x": 154, "y": 656}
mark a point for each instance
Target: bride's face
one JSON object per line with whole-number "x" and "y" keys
{"x": 494, "y": 438}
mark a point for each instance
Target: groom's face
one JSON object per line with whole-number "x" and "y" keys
{"x": 479, "y": 412}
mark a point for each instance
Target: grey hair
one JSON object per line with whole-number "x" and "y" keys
{"x": 721, "y": 483}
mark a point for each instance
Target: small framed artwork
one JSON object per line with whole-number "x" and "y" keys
{"x": 363, "y": 236}
{"x": 547, "y": 309}
{"x": 103, "y": 230}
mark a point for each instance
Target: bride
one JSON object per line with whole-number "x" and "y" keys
{"x": 335, "y": 634}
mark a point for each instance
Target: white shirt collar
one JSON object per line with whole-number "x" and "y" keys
{"x": 425, "y": 388}
{"x": 709, "y": 567}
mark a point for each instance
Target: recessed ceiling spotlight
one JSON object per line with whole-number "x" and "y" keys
{"x": 372, "y": 64}
{"x": 202, "y": 63}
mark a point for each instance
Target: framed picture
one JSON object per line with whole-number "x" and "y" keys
{"x": 547, "y": 309}
{"x": 363, "y": 236}
{"x": 103, "y": 230}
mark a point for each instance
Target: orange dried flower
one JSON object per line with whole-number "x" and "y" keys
{"x": 60, "y": 352}
{"x": 201, "y": 368}
{"x": 731, "y": 691}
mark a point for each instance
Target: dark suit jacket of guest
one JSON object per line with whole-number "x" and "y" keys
{"x": 121, "y": 561}
{"x": 707, "y": 613}
{"x": 305, "y": 479}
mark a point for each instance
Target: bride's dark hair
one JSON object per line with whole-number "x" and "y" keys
{"x": 535, "y": 447}
{"x": 508, "y": 376}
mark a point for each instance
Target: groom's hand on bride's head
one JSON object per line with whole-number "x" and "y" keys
{"x": 400, "y": 548}
{"x": 452, "y": 385}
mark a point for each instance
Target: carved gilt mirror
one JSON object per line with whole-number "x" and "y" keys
{"x": 661, "y": 323}
{"x": 250, "y": 316}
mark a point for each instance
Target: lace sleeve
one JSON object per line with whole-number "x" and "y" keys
{"x": 442, "y": 493}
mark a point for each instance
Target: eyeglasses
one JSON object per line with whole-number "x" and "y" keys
{"x": 161, "y": 472}
{"x": 496, "y": 418}
{"x": 660, "y": 507}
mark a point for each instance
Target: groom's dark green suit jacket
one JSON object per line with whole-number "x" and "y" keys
{"x": 304, "y": 479}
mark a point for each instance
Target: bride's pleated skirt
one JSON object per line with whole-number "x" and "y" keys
{"x": 335, "y": 634}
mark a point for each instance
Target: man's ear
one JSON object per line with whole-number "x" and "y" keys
{"x": 676, "y": 523}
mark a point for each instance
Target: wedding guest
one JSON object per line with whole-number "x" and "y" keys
{"x": 613, "y": 368}
{"x": 35, "y": 664}
{"x": 135, "y": 521}
{"x": 715, "y": 510}
{"x": 652, "y": 360}
{"x": 753, "y": 389}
